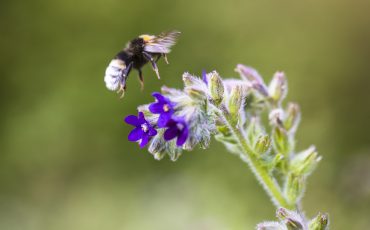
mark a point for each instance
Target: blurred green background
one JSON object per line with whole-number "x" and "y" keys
{"x": 65, "y": 162}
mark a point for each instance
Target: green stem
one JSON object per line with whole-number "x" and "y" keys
{"x": 268, "y": 183}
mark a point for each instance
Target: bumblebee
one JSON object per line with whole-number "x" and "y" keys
{"x": 138, "y": 52}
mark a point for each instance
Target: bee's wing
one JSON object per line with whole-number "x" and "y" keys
{"x": 162, "y": 43}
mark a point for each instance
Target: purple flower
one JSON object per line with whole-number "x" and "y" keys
{"x": 177, "y": 128}
{"x": 163, "y": 107}
{"x": 143, "y": 130}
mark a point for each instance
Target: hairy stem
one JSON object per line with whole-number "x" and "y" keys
{"x": 268, "y": 183}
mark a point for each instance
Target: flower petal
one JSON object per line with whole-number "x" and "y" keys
{"x": 135, "y": 134}
{"x": 132, "y": 120}
{"x": 163, "y": 119}
{"x": 141, "y": 118}
{"x": 204, "y": 77}
{"x": 170, "y": 133}
{"x": 144, "y": 141}
{"x": 171, "y": 123}
{"x": 159, "y": 97}
{"x": 182, "y": 136}
{"x": 152, "y": 131}
{"x": 156, "y": 107}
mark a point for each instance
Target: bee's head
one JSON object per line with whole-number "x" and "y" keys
{"x": 137, "y": 44}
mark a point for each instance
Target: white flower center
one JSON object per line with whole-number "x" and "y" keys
{"x": 180, "y": 126}
{"x": 144, "y": 127}
{"x": 166, "y": 107}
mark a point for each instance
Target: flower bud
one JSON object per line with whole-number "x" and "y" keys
{"x": 248, "y": 73}
{"x": 276, "y": 117}
{"x": 254, "y": 130}
{"x": 291, "y": 219}
{"x": 157, "y": 146}
{"x": 173, "y": 151}
{"x": 196, "y": 93}
{"x": 305, "y": 162}
{"x": 188, "y": 79}
{"x": 270, "y": 225}
{"x": 263, "y": 144}
{"x": 159, "y": 155}
{"x": 278, "y": 162}
{"x": 278, "y": 87}
{"x": 294, "y": 188}
{"x": 293, "y": 117}
{"x": 216, "y": 88}
{"x": 235, "y": 102}
{"x": 320, "y": 222}
{"x": 282, "y": 142}
{"x": 252, "y": 76}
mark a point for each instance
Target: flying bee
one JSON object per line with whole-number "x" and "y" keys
{"x": 138, "y": 52}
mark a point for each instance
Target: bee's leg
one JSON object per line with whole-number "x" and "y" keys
{"x": 124, "y": 74}
{"x": 165, "y": 58}
{"x": 150, "y": 58}
{"x": 141, "y": 79}
{"x": 122, "y": 88}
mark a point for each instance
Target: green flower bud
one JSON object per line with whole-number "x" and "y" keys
{"x": 282, "y": 142}
{"x": 278, "y": 87}
{"x": 159, "y": 155}
{"x": 196, "y": 93}
{"x": 254, "y": 130}
{"x": 216, "y": 88}
{"x": 320, "y": 222}
{"x": 305, "y": 162}
{"x": 278, "y": 162}
{"x": 294, "y": 188}
{"x": 263, "y": 144}
{"x": 235, "y": 102}
{"x": 293, "y": 117}
{"x": 157, "y": 147}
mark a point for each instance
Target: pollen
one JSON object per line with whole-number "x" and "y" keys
{"x": 147, "y": 37}
{"x": 166, "y": 107}
{"x": 144, "y": 127}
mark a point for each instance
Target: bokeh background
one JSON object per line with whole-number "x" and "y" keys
{"x": 65, "y": 162}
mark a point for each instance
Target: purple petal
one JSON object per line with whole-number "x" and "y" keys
{"x": 163, "y": 119}
{"x": 171, "y": 123}
{"x": 156, "y": 107}
{"x": 141, "y": 118}
{"x": 204, "y": 76}
{"x": 152, "y": 132}
{"x": 132, "y": 120}
{"x": 170, "y": 133}
{"x": 159, "y": 96}
{"x": 135, "y": 134}
{"x": 183, "y": 136}
{"x": 144, "y": 141}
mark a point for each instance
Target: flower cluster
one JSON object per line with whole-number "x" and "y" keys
{"x": 179, "y": 117}
{"x": 233, "y": 110}
{"x": 144, "y": 130}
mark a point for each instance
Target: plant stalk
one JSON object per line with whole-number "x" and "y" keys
{"x": 270, "y": 185}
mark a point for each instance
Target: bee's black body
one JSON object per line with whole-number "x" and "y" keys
{"x": 138, "y": 52}
{"x": 133, "y": 53}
